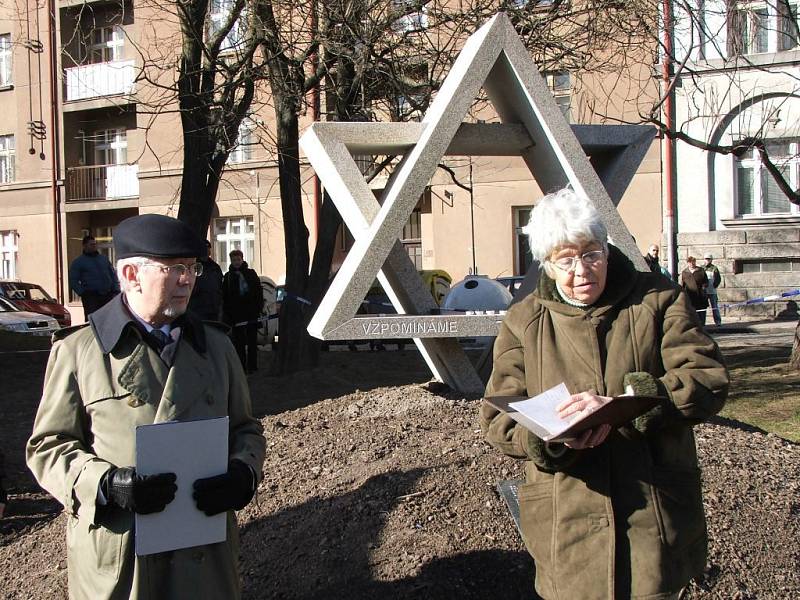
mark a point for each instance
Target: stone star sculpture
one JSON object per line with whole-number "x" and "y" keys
{"x": 532, "y": 126}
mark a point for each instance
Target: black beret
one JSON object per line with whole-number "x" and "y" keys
{"x": 158, "y": 236}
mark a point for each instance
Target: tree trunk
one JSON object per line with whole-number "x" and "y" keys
{"x": 323, "y": 250}
{"x": 294, "y": 350}
{"x": 794, "y": 359}
{"x": 199, "y": 187}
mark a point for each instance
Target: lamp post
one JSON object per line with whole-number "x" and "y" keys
{"x": 472, "y": 217}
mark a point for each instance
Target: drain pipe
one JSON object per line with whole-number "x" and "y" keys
{"x": 669, "y": 144}
{"x": 54, "y": 142}
{"x": 315, "y": 114}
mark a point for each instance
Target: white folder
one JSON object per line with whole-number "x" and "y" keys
{"x": 192, "y": 450}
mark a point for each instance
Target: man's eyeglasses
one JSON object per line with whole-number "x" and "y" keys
{"x": 178, "y": 270}
{"x": 570, "y": 263}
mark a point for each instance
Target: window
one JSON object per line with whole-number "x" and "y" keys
{"x": 406, "y": 110}
{"x": 107, "y": 45}
{"x": 409, "y": 19}
{"x": 5, "y": 60}
{"x": 522, "y": 250}
{"x": 6, "y": 158}
{"x": 104, "y": 236}
{"x": 757, "y": 192}
{"x": 560, "y": 84}
{"x": 110, "y": 147}
{"x": 759, "y": 27}
{"x": 787, "y": 21}
{"x": 344, "y": 239}
{"x": 245, "y": 140}
{"x": 412, "y": 238}
{"x": 234, "y": 233}
{"x": 219, "y": 13}
{"x": 768, "y": 266}
{"x": 8, "y": 254}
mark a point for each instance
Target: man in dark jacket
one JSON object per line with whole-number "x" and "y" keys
{"x": 714, "y": 281}
{"x": 92, "y": 277}
{"x": 206, "y": 300}
{"x": 242, "y": 301}
{"x": 651, "y": 258}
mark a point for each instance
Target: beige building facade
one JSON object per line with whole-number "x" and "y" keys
{"x": 94, "y": 143}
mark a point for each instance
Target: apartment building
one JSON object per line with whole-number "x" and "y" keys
{"x": 740, "y": 83}
{"x": 84, "y": 146}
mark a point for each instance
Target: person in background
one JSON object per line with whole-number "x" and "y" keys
{"x": 651, "y": 258}
{"x": 242, "y": 302}
{"x": 714, "y": 279}
{"x": 694, "y": 282}
{"x": 143, "y": 359}
{"x": 618, "y": 511}
{"x": 206, "y": 300}
{"x": 92, "y": 277}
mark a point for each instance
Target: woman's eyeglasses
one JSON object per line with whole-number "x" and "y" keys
{"x": 570, "y": 263}
{"x": 178, "y": 270}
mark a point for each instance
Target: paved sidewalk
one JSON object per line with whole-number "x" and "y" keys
{"x": 765, "y": 326}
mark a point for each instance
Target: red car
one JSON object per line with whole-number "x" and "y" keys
{"x": 33, "y": 298}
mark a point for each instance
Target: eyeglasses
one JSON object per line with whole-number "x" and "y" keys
{"x": 570, "y": 263}
{"x": 178, "y": 270}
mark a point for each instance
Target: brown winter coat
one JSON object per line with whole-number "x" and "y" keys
{"x": 86, "y": 423}
{"x": 625, "y": 519}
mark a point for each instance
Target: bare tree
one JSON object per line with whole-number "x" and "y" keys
{"x": 373, "y": 60}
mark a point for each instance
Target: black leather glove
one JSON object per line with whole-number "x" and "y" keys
{"x": 229, "y": 491}
{"x": 143, "y": 494}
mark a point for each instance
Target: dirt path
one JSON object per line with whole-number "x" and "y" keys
{"x": 380, "y": 485}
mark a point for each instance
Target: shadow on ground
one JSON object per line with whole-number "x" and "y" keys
{"x": 734, "y": 424}
{"x": 26, "y": 512}
{"x": 339, "y": 373}
{"x": 332, "y": 547}
{"x": 756, "y": 356}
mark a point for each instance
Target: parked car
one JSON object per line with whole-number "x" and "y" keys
{"x": 33, "y": 298}
{"x": 22, "y": 321}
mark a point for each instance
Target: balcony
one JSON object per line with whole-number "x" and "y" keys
{"x": 99, "y": 80}
{"x": 102, "y": 182}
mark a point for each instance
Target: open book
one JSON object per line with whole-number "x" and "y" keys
{"x": 539, "y": 415}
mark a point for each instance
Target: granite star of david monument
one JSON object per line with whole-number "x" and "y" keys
{"x": 598, "y": 161}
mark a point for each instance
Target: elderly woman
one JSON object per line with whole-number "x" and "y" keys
{"x": 617, "y": 512}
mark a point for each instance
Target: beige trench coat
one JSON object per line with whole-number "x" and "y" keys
{"x": 624, "y": 519}
{"x": 91, "y": 405}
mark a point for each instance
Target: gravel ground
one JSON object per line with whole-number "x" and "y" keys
{"x": 390, "y": 492}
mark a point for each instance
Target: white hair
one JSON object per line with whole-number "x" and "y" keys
{"x": 561, "y": 218}
{"x": 122, "y": 263}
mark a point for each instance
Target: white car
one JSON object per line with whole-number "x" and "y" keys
{"x": 22, "y": 321}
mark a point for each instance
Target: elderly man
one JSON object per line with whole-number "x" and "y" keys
{"x": 651, "y": 258}
{"x": 142, "y": 360}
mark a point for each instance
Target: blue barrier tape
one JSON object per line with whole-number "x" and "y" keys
{"x": 289, "y": 296}
{"x": 263, "y": 319}
{"x": 786, "y": 294}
